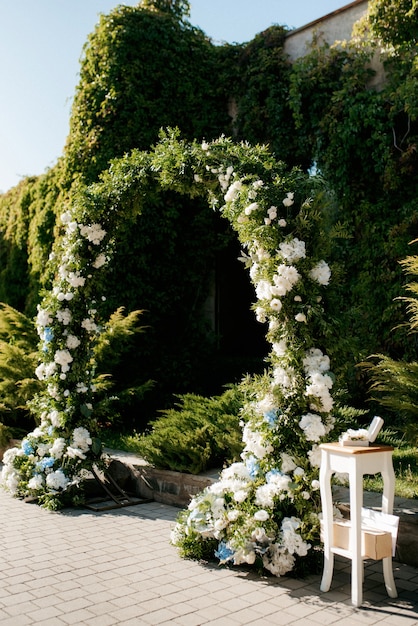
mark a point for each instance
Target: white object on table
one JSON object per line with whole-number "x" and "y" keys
{"x": 356, "y": 461}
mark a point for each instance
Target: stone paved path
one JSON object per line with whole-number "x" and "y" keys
{"x": 84, "y": 568}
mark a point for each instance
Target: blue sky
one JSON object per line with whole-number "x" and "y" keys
{"x": 41, "y": 44}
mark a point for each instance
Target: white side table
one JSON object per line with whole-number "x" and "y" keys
{"x": 356, "y": 461}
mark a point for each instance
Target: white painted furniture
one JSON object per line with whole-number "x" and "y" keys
{"x": 356, "y": 461}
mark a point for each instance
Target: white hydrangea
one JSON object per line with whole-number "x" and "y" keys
{"x": 312, "y": 426}
{"x": 321, "y": 273}
{"x": 63, "y": 358}
{"x": 277, "y": 560}
{"x": 255, "y": 442}
{"x": 93, "y": 233}
{"x": 289, "y": 200}
{"x": 99, "y": 261}
{"x": 251, "y": 208}
{"x": 285, "y": 279}
{"x": 233, "y": 191}
{"x": 288, "y": 464}
{"x": 57, "y": 480}
{"x": 319, "y": 387}
{"x": 58, "y": 447}
{"x": 81, "y": 439}
{"x": 75, "y": 279}
{"x": 43, "y": 318}
{"x": 89, "y": 325}
{"x": 263, "y": 290}
{"x": 315, "y": 360}
{"x": 314, "y": 456}
{"x": 64, "y": 316}
{"x": 36, "y": 482}
{"x": 293, "y": 250}
{"x": 72, "y": 342}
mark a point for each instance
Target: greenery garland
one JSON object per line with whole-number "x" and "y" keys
{"x": 265, "y": 507}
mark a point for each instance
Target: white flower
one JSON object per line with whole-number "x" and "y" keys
{"x": 288, "y": 464}
{"x": 57, "y": 480}
{"x": 81, "y": 439}
{"x": 233, "y": 191}
{"x": 58, "y": 447}
{"x": 72, "y": 342}
{"x": 261, "y": 515}
{"x": 314, "y": 456}
{"x": 263, "y": 290}
{"x": 321, "y": 273}
{"x": 75, "y": 453}
{"x": 250, "y": 208}
{"x": 300, "y": 317}
{"x": 286, "y": 277}
{"x": 36, "y": 482}
{"x": 63, "y": 358}
{"x": 89, "y": 325}
{"x": 315, "y": 360}
{"x": 205, "y": 145}
{"x": 276, "y": 305}
{"x": 282, "y": 223}
{"x": 99, "y": 261}
{"x": 277, "y": 560}
{"x": 54, "y": 418}
{"x": 315, "y": 485}
{"x": 261, "y": 315}
{"x": 240, "y": 495}
{"x": 312, "y": 426}
{"x": 362, "y": 434}
{"x": 43, "y": 318}
{"x": 75, "y": 279}
{"x": 280, "y": 347}
{"x": 293, "y": 250}
{"x": 64, "y": 316}
{"x": 288, "y": 201}
{"x": 66, "y": 217}
{"x": 93, "y": 233}
{"x": 43, "y": 449}
{"x": 284, "y": 377}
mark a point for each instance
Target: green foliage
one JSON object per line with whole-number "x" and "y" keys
{"x": 395, "y": 22}
{"x": 19, "y": 358}
{"x": 127, "y": 91}
{"x": 5, "y": 435}
{"x": 199, "y": 434}
{"x": 18, "y": 361}
{"x": 146, "y": 67}
{"x": 394, "y": 383}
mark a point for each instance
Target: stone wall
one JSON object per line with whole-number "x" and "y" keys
{"x": 336, "y": 26}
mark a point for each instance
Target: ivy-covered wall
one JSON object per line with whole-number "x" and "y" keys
{"x": 147, "y": 67}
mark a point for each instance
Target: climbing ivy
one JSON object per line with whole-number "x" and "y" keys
{"x": 324, "y": 110}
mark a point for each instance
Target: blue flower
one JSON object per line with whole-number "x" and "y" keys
{"x": 271, "y": 417}
{"x": 224, "y": 552}
{"x": 252, "y": 466}
{"x": 48, "y": 334}
{"x": 47, "y": 461}
{"x": 271, "y": 473}
{"x": 27, "y": 447}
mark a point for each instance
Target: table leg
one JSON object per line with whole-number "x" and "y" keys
{"x": 327, "y": 520}
{"x": 356, "y": 503}
{"x": 388, "y": 475}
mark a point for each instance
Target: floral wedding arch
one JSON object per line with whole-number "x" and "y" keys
{"x": 264, "y": 509}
